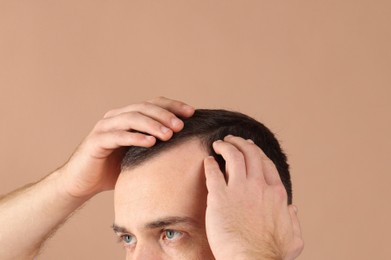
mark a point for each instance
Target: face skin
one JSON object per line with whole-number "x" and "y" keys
{"x": 160, "y": 206}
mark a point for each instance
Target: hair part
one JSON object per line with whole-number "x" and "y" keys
{"x": 209, "y": 125}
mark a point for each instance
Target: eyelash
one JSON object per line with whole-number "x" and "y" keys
{"x": 164, "y": 237}
{"x": 172, "y": 230}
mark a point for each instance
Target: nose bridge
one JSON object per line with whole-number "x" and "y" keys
{"x": 151, "y": 251}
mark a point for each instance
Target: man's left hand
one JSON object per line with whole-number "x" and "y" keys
{"x": 247, "y": 217}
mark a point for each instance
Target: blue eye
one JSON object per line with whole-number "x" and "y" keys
{"x": 128, "y": 239}
{"x": 172, "y": 234}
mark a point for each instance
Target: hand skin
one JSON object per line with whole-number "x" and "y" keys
{"x": 238, "y": 227}
{"x": 248, "y": 216}
{"x": 31, "y": 214}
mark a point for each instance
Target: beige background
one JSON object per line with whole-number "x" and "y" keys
{"x": 318, "y": 73}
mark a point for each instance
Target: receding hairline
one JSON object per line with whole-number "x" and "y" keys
{"x": 209, "y": 125}
{"x": 197, "y": 139}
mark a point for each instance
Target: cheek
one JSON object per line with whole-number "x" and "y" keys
{"x": 197, "y": 249}
{"x": 206, "y": 254}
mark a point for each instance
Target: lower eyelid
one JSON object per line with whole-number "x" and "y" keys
{"x": 181, "y": 235}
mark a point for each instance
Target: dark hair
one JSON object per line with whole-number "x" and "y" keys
{"x": 210, "y": 125}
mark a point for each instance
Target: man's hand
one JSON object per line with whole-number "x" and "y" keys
{"x": 95, "y": 165}
{"x": 248, "y": 217}
{"x": 38, "y": 209}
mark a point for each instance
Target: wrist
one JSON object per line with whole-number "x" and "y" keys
{"x": 60, "y": 183}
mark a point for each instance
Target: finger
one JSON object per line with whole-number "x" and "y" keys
{"x": 158, "y": 104}
{"x": 270, "y": 171}
{"x": 234, "y": 161}
{"x": 214, "y": 177}
{"x": 107, "y": 142}
{"x": 153, "y": 111}
{"x": 295, "y": 220}
{"x": 177, "y": 107}
{"x": 134, "y": 121}
{"x": 252, "y": 157}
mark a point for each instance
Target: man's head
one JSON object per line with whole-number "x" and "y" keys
{"x": 160, "y": 196}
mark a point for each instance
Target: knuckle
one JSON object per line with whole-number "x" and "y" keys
{"x": 120, "y": 137}
{"x": 280, "y": 192}
{"x": 269, "y": 163}
{"x": 108, "y": 114}
{"x": 99, "y": 125}
{"x": 92, "y": 142}
{"x": 91, "y": 138}
{"x": 298, "y": 245}
{"x": 160, "y": 98}
{"x": 157, "y": 127}
{"x": 237, "y": 156}
{"x": 144, "y": 105}
{"x": 167, "y": 117}
{"x": 178, "y": 103}
{"x": 156, "y": 99}
{"x": 132, "y": 115}
{"x": 253, "y": 148}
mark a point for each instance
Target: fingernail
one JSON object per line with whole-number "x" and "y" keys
{"x": 176, "y": 122}
{"x": 217, "y": 141}
{"x": 164, "y": 129}
{"x": 250, "y": 141}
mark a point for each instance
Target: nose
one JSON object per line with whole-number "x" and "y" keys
{"x": 147, "y": 252}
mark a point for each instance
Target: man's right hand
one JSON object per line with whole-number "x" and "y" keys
{"x": 37, "y": 210}
{"x": 95, "y": 165}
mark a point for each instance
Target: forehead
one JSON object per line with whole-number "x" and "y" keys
{"x": 169, "y": 184}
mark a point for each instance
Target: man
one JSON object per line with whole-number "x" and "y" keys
{"x": 193, "y": 192}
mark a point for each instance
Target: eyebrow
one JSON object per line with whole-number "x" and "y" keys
{"x": 160, "y": 223}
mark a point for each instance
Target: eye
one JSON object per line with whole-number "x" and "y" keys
{"x": 128, "y": 239}
{"x": 172, "y": 235}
